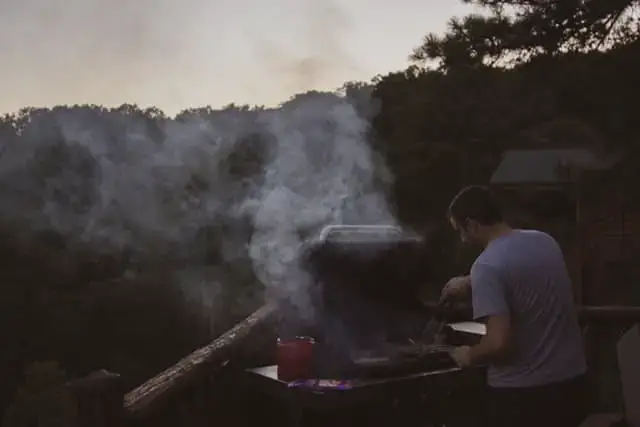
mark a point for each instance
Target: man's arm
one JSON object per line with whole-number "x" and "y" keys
{"x": 494, "y": 346}
{"x": 490, "y": 305}
{"x": 458, "y": 287}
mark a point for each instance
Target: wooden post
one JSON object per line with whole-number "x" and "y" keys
{"x": 100, "y": 399}
{"x": 579, "y": 286}
{"x": 628, "y": 355}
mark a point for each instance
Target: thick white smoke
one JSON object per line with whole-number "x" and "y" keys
{"x": 261, "y": 180}
{"x": 322, "y": 172}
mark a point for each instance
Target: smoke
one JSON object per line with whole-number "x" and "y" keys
{"x": 248, "y": 186}
{"x": 316, "y": 56}
{"x": 322, "y": 172}
{"x": 237, "y": 188}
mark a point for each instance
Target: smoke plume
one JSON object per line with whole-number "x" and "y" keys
{"x": 237, "y": 188}
{"x": 242, "y": 185}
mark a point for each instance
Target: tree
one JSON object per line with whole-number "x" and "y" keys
{"x": 521, "y": 74}
{"x": 516, "y": 31}
{"x": 42, "y": 400}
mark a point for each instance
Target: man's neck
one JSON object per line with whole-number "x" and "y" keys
{"x": 497, "y": 231}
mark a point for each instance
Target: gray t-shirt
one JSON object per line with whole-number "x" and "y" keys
{"x": 524, "y": 274}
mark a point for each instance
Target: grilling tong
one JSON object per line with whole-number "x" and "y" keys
{"x": 432, "y": 332}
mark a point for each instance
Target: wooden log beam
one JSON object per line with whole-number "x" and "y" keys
{"x": 153, "y": 392}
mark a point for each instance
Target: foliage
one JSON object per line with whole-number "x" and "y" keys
{"x": 42, "y": 400}
{"x": 515, "y": 31}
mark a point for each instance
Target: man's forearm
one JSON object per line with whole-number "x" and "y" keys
{"x": 495, "y": 345}
{"x": 482, "y": 353}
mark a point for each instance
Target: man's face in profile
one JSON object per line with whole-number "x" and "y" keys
{"x": 460, "y": 229}
{"x": 470, "y": 231}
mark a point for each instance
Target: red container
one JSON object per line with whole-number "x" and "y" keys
{"x": 295, "y": 358}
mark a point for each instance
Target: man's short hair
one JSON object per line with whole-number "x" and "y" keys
{"x": 478, "y": 203}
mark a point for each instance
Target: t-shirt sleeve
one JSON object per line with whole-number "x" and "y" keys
{"x": 488, "y": 292}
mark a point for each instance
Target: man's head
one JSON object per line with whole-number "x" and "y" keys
{"x": 475, "y": 214}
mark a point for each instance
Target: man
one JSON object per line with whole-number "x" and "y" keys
{"x": 520, "y": 289}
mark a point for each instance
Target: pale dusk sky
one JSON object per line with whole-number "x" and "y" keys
{"x": 182, "y": 53}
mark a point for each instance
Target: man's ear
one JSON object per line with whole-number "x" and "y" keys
{"x": 470, "y": 224}
{"x": 454, "y": 223}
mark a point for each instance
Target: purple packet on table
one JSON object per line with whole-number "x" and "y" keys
{"x": 302, "y": 383}
{"x": 318, "y": 384}
{"x": 335, "y": 384}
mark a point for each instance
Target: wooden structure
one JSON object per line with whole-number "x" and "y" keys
{"x": 578, "y": 198}
{"x": 587, "y": 205}
{"x": 183, "y": 394}
{"x": 609, "y": 226}
{"x": 196, "y": 392}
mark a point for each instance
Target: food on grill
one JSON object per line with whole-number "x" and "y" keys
{"x": 373, "y": 361}
{"x": 420, "y": 349}
{"x": 404, "y": 360}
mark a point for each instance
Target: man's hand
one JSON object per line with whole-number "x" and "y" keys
{"x": 461, "y": 355}
{"x": 457, "y": 287}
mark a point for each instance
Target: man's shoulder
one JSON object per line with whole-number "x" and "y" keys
{"x": 486, "y": 265}
{"x": 510, "y": 249}
{"x": 535, "y": 234}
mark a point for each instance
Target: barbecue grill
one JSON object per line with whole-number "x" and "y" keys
{"x": 369, "y": 361}
{"x": 369, "y": 349}
{"x": 368, "y": 280}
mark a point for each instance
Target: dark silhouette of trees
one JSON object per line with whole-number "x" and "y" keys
{"x": 516, "y": 31}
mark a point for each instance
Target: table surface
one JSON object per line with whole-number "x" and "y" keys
{"x": 271, "y": 372}
{"x": 431, "y": 385}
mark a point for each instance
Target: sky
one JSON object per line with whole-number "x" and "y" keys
{"x": 176, "y": 54}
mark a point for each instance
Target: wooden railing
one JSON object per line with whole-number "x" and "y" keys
{"x": 631, "y": 313}
{"x": 102, "y": 402}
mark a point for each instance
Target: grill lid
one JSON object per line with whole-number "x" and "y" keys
{"x": 368, "y": 256}
{"x": 378, "y": 235}
{"x": 368, "y": 281}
